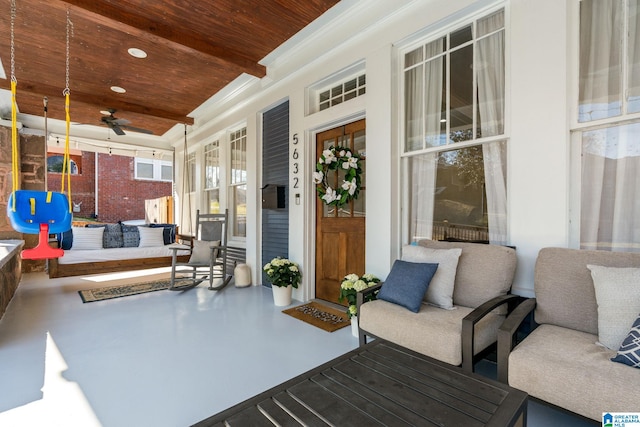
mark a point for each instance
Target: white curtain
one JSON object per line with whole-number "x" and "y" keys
{"x": 601, "y": 23}
{"x": 610, "y": 199}
{"x": 610, "y": 180}
{"x": 423, "y": 183}
{"x": 491, "y": 88}
{"x": 434, "y": 72}
{"x": 633, "y": 92}
{"x": 414, "y": 89}
{"x": 425, "y": 90}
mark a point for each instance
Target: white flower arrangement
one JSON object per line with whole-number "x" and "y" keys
{"x": 282, "y": 272}
{"x": 351, "y": 285}
{"x": 338, "y": 158}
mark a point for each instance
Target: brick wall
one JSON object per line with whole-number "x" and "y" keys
{"x": 32, "y": 172}
{"x": 6, "y": 184}
{"x": 120, "y": 196}
{"x": 83, "y": 185}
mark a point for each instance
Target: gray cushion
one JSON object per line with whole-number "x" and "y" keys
{"x": 562, "y": 280}
{"x": 629, "y": 352}
{"x": 130, "y": 236}
{"x": 407, "y": 283}
{"x": 566, "y": 368}
{"x": 112, "y": 237}
{"x": 618, "y": 298}
{"x": 484, "y": 271}
{"x": 440, "y": 290}
{"x": 432, "y": 331}
{"x": 201, "y": 252}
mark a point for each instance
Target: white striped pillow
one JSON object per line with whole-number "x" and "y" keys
{"x": 87, "y": 238}
{"x": 151, "y": 237}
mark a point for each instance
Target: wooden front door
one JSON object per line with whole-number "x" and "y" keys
{"x": 340, "y": 233}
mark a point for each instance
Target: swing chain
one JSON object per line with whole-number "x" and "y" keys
{"x": 13, "y": 49}
{"x": 66, "y": 90}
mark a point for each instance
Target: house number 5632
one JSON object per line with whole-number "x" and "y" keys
{"x": 296, "y": 167}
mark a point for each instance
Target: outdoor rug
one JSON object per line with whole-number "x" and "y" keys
{"x": 110, "y": 292}
{"x": 319, "y": 315}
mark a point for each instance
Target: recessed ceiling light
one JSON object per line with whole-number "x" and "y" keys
{"x": 137, "y": 53}
{"x": 118, "y": 89}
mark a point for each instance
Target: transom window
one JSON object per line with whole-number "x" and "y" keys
{"x": 342, "y": 92}
{"x": 337, "y": 88}
{"x": 454, "y": 133}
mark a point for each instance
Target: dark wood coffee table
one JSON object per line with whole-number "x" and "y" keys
{"x": 381, "y": 384}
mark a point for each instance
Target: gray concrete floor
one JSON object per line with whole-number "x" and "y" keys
{"x": 158, "y": 359}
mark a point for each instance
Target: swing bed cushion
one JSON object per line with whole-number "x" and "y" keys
{"x": 109, "y": 259}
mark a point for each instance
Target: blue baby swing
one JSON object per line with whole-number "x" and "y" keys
{"x": 38, "y": 212}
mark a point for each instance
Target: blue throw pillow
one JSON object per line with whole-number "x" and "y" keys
{"x": 407, "y": 283}
{"x": 65, "y": 240}
{"x": 629, "y": 352}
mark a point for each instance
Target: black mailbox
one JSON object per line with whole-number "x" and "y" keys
{"x": 273, "y": 196}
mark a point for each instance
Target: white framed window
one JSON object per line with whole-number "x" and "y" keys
{"x": 606, "y": 128}
{"x": 453, "y": 121}
{"x": 238, "y": 183}
{"x": 152, "y": 169}
{"x": 212, "y": 176}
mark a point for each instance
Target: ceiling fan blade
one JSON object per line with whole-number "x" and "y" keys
{"x": 119, "y": 122}
{"x": 112, "y": 122}
{"x": 135, "y": 129}
{"x": 116, "y": 129}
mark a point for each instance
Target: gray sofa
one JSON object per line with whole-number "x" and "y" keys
{"x": 560, "y": 361}
{"x": 483, "y": 278}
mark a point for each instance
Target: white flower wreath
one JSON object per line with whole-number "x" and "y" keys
{"x": 338, "y": 158}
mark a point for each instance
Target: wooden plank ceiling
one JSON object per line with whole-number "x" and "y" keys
{"x": 194, "y": 49}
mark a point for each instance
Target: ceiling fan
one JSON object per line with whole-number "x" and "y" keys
{"x": 119, "y": 125}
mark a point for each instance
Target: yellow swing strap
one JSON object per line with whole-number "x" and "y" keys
{"x": 66, "y": 166}
{"x": 32, "y": 202}
{"x": 15, "y": 174}
{"x": 66, "y": 163}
